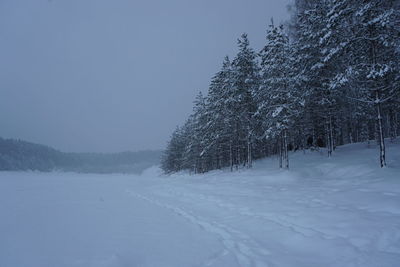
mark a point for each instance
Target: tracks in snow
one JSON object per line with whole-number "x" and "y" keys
{"x": 278, "y": 219}
{"x": 246, "y": 251}
{"x": 285, "y": 221}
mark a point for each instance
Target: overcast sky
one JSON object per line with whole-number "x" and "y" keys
{"x": 115, "y": 75}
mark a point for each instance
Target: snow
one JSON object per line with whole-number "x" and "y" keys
{"x": 338, "y": 211}
{"x": 277, "y": 111}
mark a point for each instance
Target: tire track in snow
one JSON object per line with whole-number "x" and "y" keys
{"x": 246, "y": 251}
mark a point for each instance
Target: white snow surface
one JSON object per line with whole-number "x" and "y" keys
{"x": 340, "y": 211}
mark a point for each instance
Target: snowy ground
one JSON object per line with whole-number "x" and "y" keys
{"x": 343, "y": 211}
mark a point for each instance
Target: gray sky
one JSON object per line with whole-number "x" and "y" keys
{"x": 115, "y": 75}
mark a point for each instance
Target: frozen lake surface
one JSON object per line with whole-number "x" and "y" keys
{"x": 343, "y": 211}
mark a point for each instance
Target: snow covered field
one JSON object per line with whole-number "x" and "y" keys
{"x": 343, "y": 211}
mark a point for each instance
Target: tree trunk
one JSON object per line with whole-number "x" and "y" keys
{"x": 280, "y": 145}
{"x": 231, "y": 155}
{"x": 285, "y": 149}
{"x": 249, "y": 158}
{"x": 330, "y": 137}
{"x": 393, "y": 125}
{"x": 382, "y": 152}
{"x": 237, "y": 156}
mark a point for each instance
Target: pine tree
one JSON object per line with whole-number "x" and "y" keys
{"x": 221, "y": 117}
{"x": 277, "y": 98}
{"x": 173, "y": 157}
{"x": 245, "y": 81}
{"x": 369, "y": 35}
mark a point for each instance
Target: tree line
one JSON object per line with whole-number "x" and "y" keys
{"x": 18, "y": 155}
{"x": 329, "y": 76}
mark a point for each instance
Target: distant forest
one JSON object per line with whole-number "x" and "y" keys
{"x": 17, "y": 155}
{"x": 329, "y": 76}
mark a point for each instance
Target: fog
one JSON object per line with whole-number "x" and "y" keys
{"x": 115, "y": 75}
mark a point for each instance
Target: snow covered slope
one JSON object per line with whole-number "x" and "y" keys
{"x": 340, "y": 211}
